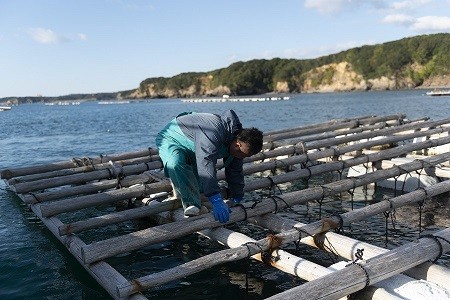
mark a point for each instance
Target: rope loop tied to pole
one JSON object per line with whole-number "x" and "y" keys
{"x": 244, "y": 209}
{"x": 437, "y": 240}
{"x": 364, "y": 270}
{"x": 303, "y": 149}
{"x": 273, "y": 185}
{"x": 83, "y": 162}
{"x": 254, "y": 244}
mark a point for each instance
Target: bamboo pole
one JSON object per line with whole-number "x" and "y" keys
{"x": 345, "y": 246}
{"x": 316, "y": 144}
{"x": 113, "y": 246}
{"x": 66, "y": 205}
{"x": 104, "y": 174}
{"x": 248, "y": 169}
{"x": 83, "y": 169}
{"x": 288, "y": 236}
{"x": 41, "y": 184}
{"x": 146, "y": 211}
{"x": 43, "y": 168}
{"x": 286, "y": 262}
{"x": 21, "y": 171}
{"x": 336, "y": 151}
{"x": 328, "y": 127}
{"x": 72, "y": 176}
{"x": 330, "y": 122}
{"x": 117, "y": 217}
{"x": 320, "y": 136}
{"x": 94, "y": 188}
{"x": 371, "y": 134}
{"x": 101, "y": 271}
{"x": 90, "y": 188}
{"x": 357, "y": 276}
{"x": 9, "y": 173}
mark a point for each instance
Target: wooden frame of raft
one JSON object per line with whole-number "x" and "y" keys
{"x": 88, "y": 182}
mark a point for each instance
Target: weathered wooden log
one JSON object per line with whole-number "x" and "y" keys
{"x": 307, "y": 132}
{"x": 41, "y": 184}
{"x": 101, "y": 271}
{"x": 88, "y": 224}
{"x": 117, "y": 217}
{"x": 328, "y": 127}
{"x": 331, "y": 122}
{"x": 103, "y": 174}
{"x": 83, "y": 169}
{"x": 72, "y": 176}
{"x": 345, "y": 246}
{"x": 284, "y": 261}
{"x": 321, "y": 136}
{"x": 336, "y": 166}
{"x": 94, "y": 188}
{"x": 21, "y": 185}
{"x": 336, "y": 151}
{"x": 356, "y": 276}
{"x": 76, "y": 162}
{"x": 247, "y": 250}
{"x": 113, "y": 246}
{"x": 302, "y": 146}
{"x": 248, "y": 169}
{"x": 377, "y": 133}
{"x": 21, "y": 171}
{"x": 66, "y": 205}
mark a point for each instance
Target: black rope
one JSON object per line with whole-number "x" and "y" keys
{"x": 340, "y": 228}
{"x": 77, "y": 161}
{"x": 365, "y": 273}
{"x": 276, "y": 204}
{"x": 273, "y": 185}
{"x": 255, "y": 203}
{"x": 148, "y": 201}
{"x": 436, "y": 239}
{"x": 421, "y": 205}
{"x": 263, "y": 155}
{"x": 309, "y": 172}
{"x": 302, "y": 145}
{"x": 359, "y": 256}
{"x": 111, "y": 173}
{"x": 243, "y": 208}
{"x": 35, "y": 197}
{"x": 249, "y": 261}
{"x": 323, "y": 197}
{"x": 386, "y": 225}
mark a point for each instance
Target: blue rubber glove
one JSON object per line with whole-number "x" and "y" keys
{"x": 221, "y": 210}
{"x": 236, "y": 200}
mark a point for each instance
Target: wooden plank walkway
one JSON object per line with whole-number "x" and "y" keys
{"x": 62, "y": 193}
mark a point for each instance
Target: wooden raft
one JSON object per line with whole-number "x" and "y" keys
{"x": 68, "y": 188}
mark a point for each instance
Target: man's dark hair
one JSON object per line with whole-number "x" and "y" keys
{"x": 253, "y": 137}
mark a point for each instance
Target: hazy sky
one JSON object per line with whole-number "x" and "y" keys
{"x": 59, "y": 47}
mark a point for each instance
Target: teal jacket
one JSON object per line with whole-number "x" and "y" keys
{"x": 211, "y": 135}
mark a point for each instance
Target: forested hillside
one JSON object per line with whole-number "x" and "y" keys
{"x": 420, "y": 61}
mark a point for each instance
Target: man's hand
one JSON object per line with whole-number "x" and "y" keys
{"x": 221, "y": 210}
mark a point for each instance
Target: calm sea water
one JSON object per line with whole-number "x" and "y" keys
{"x": 34, "y": 265}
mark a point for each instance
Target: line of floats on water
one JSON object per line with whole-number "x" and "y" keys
{"x": 236, "y": 99}
{"x": 439, "y": 93}
{"x": 211, "y": 99}
{"x": 225, "y": 98}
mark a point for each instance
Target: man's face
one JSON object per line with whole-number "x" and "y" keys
{"x": 240, "y": 149}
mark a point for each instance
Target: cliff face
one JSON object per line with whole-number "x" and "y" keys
{"x": 335, "y": 77}
{"x": 342, "y": 78}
